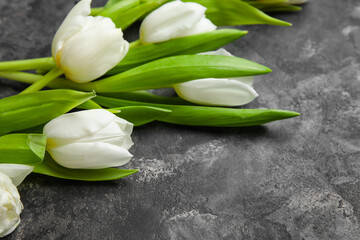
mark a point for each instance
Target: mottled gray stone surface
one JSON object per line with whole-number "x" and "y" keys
{"x": 295, "y": 179}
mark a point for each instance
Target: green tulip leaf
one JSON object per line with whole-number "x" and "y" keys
{"x": 114, "y": 8}
{"x": 112, "y": 3}
{"x": 145, "y": 96}
{"x": 269, "y": 7}
{"x": 32, "y": 109}
{"x": 140, "y": 115}
{"x": 168, "y": 71}
{"x": 50, "y": 168}
{"x": 126, "y": 12}
{"x": 96, "y": 11}
{"x": 159, "y": 74}
{"x": 36, "y": 129}
{"x": 89, "y": 104}
{"x": 22, "y": 148}
{"x": 179, "y": 46}
{"x": 274, "y": 5}
{"x": 236, "y": 12}
{"x": 206, "y": 116}
{"x": 126, "y": 18}
{"x": 266, "y": 1}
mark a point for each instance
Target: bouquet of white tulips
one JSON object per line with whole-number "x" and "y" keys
{"x": 95, "y": 69}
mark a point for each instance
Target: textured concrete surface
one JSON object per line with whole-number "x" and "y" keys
{"x": 295, "y": 179}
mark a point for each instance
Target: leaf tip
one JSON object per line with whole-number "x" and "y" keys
{"x": 264, "y": 70}
{"x": 267, "y": 70}
{"x": 113, "y": 110}
{"x": 278, "y": 22}
{"x": 243, "y": 32}
{"x": 295, "y": 114}
{"x": 284, "y": 23}
{"x": 290, "y": 114}
{"x": 132, "y": 171}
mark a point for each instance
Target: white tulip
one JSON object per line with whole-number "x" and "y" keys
{"x": 218, "y": 91}
{"x": 86, "y": 47}
{"x": 174, "y": 19}
{"x": 16, "y": 172}
{"x": 10, "y": 206}
{"x": 89, "y": 139}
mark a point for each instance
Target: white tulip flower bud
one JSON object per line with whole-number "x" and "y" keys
{"x": 10, "y": 206}
{"x": 218, "y": 91}
{"x": 174, "y": 19}
{"x": 90, "y": 139}
{"x": 86, "y": 47}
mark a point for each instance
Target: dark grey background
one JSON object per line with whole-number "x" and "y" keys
{"x": 295, "y": 179}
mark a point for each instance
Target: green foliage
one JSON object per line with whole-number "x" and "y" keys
{"x": 46, "y": 63}
{"x": 168, "y": 71}
{"x": 125, "y": 12}
{"x": 145, "y": 96}
{"x": 272, "y": 7}
{"x": 206, "y": 116}
{"x": 126, "y": 18}
{"x": 114, "y": 8}
{"x": 179, "y": 46}
{"x": 236, "y": 12}
{"x": 159, "y": 74}
{"x": 51, "y": 168}
{"x": 31, "y": 109}
{"x": 140, "y": 115}
{"x": 221, "y": 13}
{"x": 22, "y": 148}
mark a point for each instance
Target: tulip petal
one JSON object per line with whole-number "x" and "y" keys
{"x": 216, "y": 92}
{"x": 204, "y": 25}
{"x": 10, "y": 205}
{"x": 219, "y": 52}
{"x": 170, "y": 20}
{"x": 223, "y": 52}
{"x": 86, "y": 47}
{"x": 111, "y": 134}
{"x": 79, "y": 124}
{"x": 9, "y": 212}
{"x": 16, "y": 172}
{"x": 125, "y": 126}
{"x": 93, "y": 51}
{"x": 72, "y": 24}
{"x": 247, "y": 80}
{"x": 6, "y": 183}
{"x": 90, "y": 155}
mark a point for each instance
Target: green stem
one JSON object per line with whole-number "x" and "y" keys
{"x": 38, "y": 85}
{"x": 96, "y": 11}
{"x": 56, "y": 83}
{"x": 135, "y": 43}
{"x": 28, "y": 64}
{"x": 20, "y": 77}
